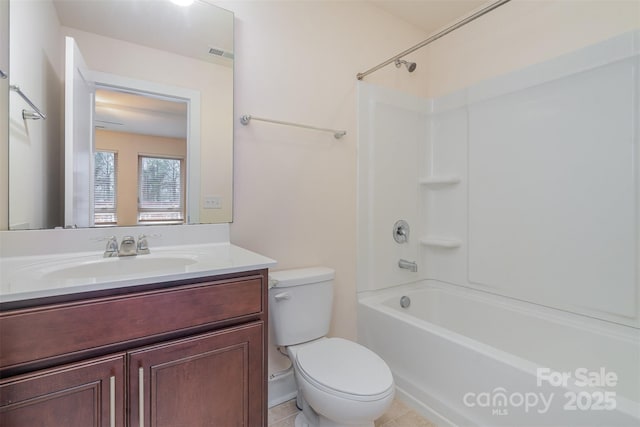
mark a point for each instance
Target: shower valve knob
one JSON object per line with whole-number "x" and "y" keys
{"x": 401, "y": 231}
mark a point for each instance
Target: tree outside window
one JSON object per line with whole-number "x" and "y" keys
{"x": 160, "y": 190}
{"x": 105, "y": 188}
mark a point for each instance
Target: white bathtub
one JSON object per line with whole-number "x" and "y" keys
{"x": 469, "y": 358}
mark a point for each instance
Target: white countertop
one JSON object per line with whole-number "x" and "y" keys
{"x": 29, "y": 277}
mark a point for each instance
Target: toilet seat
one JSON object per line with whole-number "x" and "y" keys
{"x": 346, "y": 369}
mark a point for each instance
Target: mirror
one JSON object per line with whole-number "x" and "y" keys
{"x": 138, "y": 98}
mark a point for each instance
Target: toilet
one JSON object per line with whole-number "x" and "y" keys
{"x": 340, "y": 383}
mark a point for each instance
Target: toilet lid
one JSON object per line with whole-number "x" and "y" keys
{"x": 345, "y": 366}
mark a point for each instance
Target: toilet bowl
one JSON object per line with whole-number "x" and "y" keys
{"x": 340, "y": 383}
{"x": 344, "y": 383}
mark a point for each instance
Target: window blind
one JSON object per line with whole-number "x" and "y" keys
{"x": 104, "y": 187}
{"x": 160, "y": 190}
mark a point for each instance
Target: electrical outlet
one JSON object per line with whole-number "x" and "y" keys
{"x": 212, "y": 202}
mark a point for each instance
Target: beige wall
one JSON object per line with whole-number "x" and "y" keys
{"x": 128, "y": 147}
{"x": 295, "y": 189}
{"x": 518, "y": 34}
{"x": 215, "y": 83}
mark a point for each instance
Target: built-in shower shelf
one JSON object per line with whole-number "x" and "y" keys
{"x": 435, "y": 180}
{"x": 441, "y": 242}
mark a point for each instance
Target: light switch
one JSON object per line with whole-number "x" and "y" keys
{"x": 212, "y": 202}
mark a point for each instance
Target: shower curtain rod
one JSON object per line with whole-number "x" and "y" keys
{"x": 435, "y": 37}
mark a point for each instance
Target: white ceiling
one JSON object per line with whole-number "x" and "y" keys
{"x": 430, "y": 15}
{"x": 134, "y": 113}
{"x": 188, "y": 31}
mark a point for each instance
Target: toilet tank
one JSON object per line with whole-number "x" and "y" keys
{"x": 300, "y": 304}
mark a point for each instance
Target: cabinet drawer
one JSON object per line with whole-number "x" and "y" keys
{"x": 54, "y": 330}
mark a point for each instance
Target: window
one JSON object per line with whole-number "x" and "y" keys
{"x": 160, "y": 190}
{"x": 104, "y": 188}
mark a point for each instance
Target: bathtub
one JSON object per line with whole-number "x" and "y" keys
{"x": 465, "y": 357}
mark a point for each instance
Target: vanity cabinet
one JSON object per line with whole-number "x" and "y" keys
{"x": 201, "y": 381}
{"x": 189, "y": 353}
{"x": 81, "y": 394}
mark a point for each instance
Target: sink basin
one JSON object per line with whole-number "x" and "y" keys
{"x": 31, "y": 277}
{"x": 118, "y": 267}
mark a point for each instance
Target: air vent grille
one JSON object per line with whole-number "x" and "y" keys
{"x": 220, "y": 52}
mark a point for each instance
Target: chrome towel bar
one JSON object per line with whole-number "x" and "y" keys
{"x": 31, "y": 115}
{"x": 337, "y": 134}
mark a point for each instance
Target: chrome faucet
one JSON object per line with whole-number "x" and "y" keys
{"x": 112, "y": 247}
{"x": 127, "y": 246}
{"x": 409, "y": 265}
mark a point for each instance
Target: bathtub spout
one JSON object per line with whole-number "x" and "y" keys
{"x": 409, "y": 265}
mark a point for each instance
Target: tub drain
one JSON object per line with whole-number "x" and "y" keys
{"x": 405, "y": 301}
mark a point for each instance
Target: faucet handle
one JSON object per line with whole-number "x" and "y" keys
{"x": 111, "y": 249}
{"x": 143, "y": 245}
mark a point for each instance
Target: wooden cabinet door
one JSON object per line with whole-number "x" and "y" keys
{"x": 85, "y": 394}
{"x": 210, "y": 380}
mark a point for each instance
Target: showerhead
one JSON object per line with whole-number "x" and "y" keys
{"x": 411, "y": 66}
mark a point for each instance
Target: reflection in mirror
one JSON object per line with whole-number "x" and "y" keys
{"x": 138, "y": 108}
{"x": 139, "y": 139}
{"x": 123, "y": 153}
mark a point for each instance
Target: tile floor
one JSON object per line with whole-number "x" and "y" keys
{"x": 398, "y": 415}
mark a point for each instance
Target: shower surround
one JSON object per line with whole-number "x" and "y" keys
{"x": 522, "y": 189}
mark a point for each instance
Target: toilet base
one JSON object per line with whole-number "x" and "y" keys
{"x": 301, "y": 421}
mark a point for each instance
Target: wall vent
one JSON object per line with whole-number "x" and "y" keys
{"x": 219, "y": 52}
